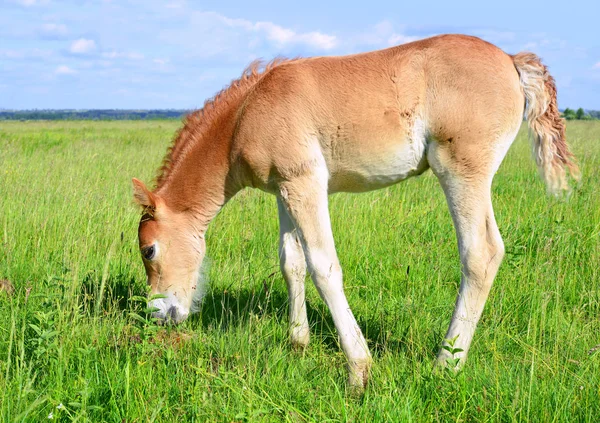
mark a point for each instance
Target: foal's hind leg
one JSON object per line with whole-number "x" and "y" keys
{"x": 293, "y": 267}
{"x": 305, "y": 199}
{"x": 479, "y": 242}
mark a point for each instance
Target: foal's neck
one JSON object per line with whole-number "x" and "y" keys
{"x": 203, "y": 179}
{"x": 198, "y": 175}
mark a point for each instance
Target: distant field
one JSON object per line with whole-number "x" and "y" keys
{"x": 73, "y": 333}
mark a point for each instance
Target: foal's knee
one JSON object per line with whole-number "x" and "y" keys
{"x": 324, "y": 268}
{"x": 497, "y": 253}
{"x": 495, "y": 246}
{"x": 481, "y": 262}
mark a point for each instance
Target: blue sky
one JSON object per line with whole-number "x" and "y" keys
{"x": 175, "y": 53}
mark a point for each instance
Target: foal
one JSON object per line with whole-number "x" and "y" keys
{"x": 305, "y": 128}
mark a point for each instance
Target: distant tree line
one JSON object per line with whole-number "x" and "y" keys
{"x": 581, "y": 114}
{"x": 106, "y": 114}
{"x": 117, "y": 114}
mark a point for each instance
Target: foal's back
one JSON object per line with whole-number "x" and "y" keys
{"x": 369, "y": 118}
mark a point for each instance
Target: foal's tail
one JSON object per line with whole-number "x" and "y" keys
{"x": 550, "y": 148}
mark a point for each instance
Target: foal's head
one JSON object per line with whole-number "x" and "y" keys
{"x": 172, "y": 250}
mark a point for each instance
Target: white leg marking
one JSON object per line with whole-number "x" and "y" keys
{"x": 481, "y": 251}
{"x": 306, "y": 203}
{"x": 293, "y": 267}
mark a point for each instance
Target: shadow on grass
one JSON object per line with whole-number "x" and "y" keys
{"x": 117, "y": 293}
{"x": 223, "y": 309}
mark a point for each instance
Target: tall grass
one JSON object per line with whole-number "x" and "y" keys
{"x": 71, "y": 335}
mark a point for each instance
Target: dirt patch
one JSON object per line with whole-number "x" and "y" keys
{"x": 174, "y": 339}
{"x": 6, "y": 286}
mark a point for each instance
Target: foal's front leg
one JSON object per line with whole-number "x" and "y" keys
{"x": 305, "y": 199}
{"x": 293, "y": 267}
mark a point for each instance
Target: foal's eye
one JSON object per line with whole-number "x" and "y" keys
{"x": 148, "y": 252}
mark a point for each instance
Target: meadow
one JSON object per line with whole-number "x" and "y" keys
{"x": 77, "y": 345}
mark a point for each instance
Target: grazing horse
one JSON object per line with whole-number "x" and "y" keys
{"x": 305, "y": 128}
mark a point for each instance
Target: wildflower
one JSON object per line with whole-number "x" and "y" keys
{"x": 50, "y": 416}
{"x": 60, "y": 406}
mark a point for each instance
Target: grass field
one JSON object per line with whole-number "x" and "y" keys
{"x": 75, "y": 345}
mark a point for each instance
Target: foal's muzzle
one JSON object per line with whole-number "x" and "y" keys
{"x": 169, "y": 310}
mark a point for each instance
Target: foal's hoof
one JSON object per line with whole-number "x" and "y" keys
{"x": 448, "y": 362}
{"x": 358, "y": 377}
{"x": 299, "y": 346}
{"x": 299, "y": 339}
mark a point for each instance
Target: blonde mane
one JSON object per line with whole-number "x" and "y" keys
{"x": 197, "y": 123}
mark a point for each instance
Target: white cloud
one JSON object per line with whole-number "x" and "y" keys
{"x": 29, "y": 3}
{"x": 174, "y": 5}
{"x": 83, "y": 46}
{"x": 547, "y": 42}
{"x": 396, "y": 39}
{"x": 284, "y": 36}
{"x": 384, "y": 34}
{"x": 163, "y": 65}
{"x": 596, "y": 66}
{"x": 56, "y": 28}
{"x": 53, "y": 31}
{"x": 11, "y": 54}
{"x": 65, "y": 70}
{"x": 122, "y": 55}
{"x": 529, "y": 46}
{"x": 277, "y": 34}
{"x": 34, "y": 53}
{"x": 494, "y": 36}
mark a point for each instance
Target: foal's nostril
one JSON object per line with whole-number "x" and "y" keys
{"x": 172, "y": 314}
{"x": 168, "y": 311}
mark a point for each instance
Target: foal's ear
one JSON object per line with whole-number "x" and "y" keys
{"x": 142, "y": 195}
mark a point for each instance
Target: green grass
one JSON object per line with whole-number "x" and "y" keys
{"x": 68, "y": 226}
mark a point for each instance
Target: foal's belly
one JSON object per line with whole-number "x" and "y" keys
{"x": 377, "y": 165}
